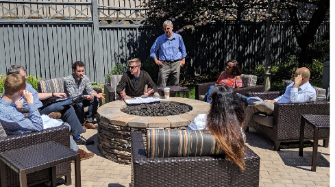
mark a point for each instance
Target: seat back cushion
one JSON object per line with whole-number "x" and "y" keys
{"x": 2, "y": 132}
{"x": 320, "y": 92}
{"x": 52, "y": 85}
{"x": 201, "y": 97}
{"x": 180, "y": 143}
{"x": 114, "y": 81}
{"x": 249, "y": 80}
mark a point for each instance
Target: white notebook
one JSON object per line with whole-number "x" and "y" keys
{"x": 139, "y": 100}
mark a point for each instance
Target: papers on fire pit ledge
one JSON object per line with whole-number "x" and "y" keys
{"x": 139, "y": 100}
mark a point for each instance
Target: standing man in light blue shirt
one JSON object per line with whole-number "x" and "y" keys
{"x": 299, "y": 91}
{"x": 171, "y": 53}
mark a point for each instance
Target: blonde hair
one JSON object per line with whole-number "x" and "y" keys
{"x": 137, "y": 60}
{"x": 13, "y": 83}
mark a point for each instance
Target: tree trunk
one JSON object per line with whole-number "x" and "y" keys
{"x": 267, "y": 75}
{"x": 305, "y": 37}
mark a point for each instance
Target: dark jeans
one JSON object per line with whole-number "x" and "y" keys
{"x": 68, "y": 115}
{"x": 92, "y": 109}
{"x": 208, "y": 95}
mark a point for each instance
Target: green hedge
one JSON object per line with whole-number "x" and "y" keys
{"x": 30, "y": 79}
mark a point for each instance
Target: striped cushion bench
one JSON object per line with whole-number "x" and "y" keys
{"x": 180, "y": 143}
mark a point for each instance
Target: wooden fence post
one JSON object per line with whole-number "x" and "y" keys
{"x": 98, "y": 66}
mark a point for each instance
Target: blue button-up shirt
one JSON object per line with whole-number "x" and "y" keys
{"x": 14, "y": 121}
{"x": 305, "y": 93}
{"x": 137, "y": 79}
{"x": 37, "y": 102}
{"x": 168, "y": 49}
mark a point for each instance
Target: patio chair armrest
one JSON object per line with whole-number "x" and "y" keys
{"x": 202, "y": 88}
{"x": 109, "y": 93}
{"x": 138, "y": 150}
{"x": 265, "y": 95}
{"x": 244, "y": 90}
{"x": 58, "y": 134}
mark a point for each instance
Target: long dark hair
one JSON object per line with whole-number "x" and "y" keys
{"x": 236, "y": 68}
{"x": 224, "y": 121}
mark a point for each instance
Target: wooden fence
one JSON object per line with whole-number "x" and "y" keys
{"x": 26, "y": 7}
{"x": 47, "y": 47}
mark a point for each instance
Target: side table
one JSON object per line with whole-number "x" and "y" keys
{"x": 318, "y": 122}
{"x": 174, "y": 90}
{"x": 37, "y": 157}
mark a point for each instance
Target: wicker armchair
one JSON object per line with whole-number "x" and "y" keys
{"x": 110, "y": 88}
{"x": 201, "y": 89}
{"x": 190, "y": 171}
{"x": 58, "y": 134}
{"x": 286, "y": 119}
{"x": 109, "y": 93}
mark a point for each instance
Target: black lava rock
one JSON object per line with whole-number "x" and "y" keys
{"x": 157, "y": 109}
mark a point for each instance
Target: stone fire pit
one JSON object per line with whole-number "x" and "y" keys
{"x": 115, "y": 126}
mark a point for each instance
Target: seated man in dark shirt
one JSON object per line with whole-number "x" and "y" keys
{"x": 134, "y": 81}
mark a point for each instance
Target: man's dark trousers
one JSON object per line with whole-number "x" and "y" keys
{"x": 68, "y": 115}
{"x": 92, "y": 109}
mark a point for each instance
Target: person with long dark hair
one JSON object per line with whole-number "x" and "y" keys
{"x": 225, "y": 122}
{"x": 230, "y": 77}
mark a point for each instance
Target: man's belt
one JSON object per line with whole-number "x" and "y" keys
{"x": 171, "y": 61}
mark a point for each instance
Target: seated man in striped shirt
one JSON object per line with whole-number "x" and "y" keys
{"x": 75, "y": 84}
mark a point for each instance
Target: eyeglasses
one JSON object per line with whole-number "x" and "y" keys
{"x": 132, "y": 67}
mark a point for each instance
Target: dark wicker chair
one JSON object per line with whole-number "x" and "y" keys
{"x": 201, "y": 89}
{"x": 109, "y": 93}
{"x": 110, "y": 88}
{"x": 190, "y": 171}
{"x": 57, "y": 134}
{"x": 286, "y": 124}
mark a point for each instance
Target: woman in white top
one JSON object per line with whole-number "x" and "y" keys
{"x": 225, "y": 121}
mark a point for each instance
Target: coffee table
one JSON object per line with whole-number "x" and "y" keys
{"x": 318, "y": 122}
{"x": 33, "y": 158}
{"x": 174, "y": 90}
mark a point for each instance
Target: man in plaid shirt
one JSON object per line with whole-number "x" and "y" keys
{"x": 75, "y": 85}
